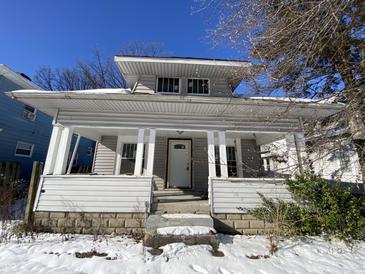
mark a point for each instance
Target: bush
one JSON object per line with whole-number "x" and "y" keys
{"x": 319, "y": 208}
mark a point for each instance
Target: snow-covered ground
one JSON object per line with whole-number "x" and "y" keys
{"x": 54, "y": 253}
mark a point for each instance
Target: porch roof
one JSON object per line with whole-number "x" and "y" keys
{"x": 122, "y": 101}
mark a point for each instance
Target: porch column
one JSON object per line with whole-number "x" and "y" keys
{"x": 295, "y": 148}
{"x": 211, "y": 154}
{"x": 151, "y": 151}
{"x": 74, "y": 152}
{"x": 139, "y": 153}
{"x": 63, "y": 150}
{"x": 223, "y": 154}
{"x": 52, "y": 149}
{"x": 239, "y": 158}
{"x": 118, "y": 155}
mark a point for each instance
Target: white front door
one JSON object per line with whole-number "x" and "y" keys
{"x": 179, "y": 164}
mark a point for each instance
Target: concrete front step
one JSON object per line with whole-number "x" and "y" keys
{"x": 175, "y": 198}
{"x": 199, "y": 207}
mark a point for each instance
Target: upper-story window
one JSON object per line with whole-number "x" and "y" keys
{"x": 29, "y": 113}
{"x": 170, "y": 85}
{"x": 198, "y": 86}
{"x": 24, "y": 149}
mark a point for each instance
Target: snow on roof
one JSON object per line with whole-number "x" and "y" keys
{"x": 329, "y": 100}
{"x": 87, "y": 91}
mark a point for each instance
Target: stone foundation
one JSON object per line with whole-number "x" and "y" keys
{"x": 241, "y": 224}
{"x": 89, "y": 223}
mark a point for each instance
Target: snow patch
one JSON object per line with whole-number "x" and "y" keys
{"x": 87, "y": 91}
{"x": 185, "y": 216}
{"x": 185, "y": 230}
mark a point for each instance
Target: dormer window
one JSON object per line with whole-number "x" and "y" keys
{"x": 168, "y": 85}
{"x": 198, "y": 86}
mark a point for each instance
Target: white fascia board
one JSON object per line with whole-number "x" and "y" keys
{"x": 182, "y": 61}
{"x": 280, "y": 102}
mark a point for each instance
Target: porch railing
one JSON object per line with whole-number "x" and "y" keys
{"x": 237, "y": 195}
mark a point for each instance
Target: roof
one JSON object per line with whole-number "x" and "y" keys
{"x": 231, "y": 70}
{"x": 17, "y": 78}
{"x": 183, "y": 57}
{"x": 121, "y": 100}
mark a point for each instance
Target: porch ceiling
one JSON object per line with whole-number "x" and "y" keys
{"x": 50, "y": 102}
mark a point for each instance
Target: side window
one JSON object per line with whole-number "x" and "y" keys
{"x": 23, "y": 149}
{"x": 29, "y": 113}
{"x": 129, "y": 159}
{"x": 231, "y": 161}
{"x": 168, "y": 85}
{"x": 198, "y": 86}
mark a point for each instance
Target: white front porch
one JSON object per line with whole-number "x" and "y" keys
{"x": 130, "y": 163}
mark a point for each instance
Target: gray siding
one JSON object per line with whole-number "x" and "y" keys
{"x": 159, "y": 167}
{"x": 218, "y": 87}
{"x": 146, "y": 84}
{"x": 231, "y": 194}
{"x": 105, "y": 155}
{"x": 251, "y": 158}
{"x": 94, "y": 194}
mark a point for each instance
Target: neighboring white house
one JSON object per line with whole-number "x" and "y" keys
{"x": 178, "y": 130}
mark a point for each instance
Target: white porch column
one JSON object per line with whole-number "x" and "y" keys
{"x": 151, "y": 151}
{"x": 139, "y": 153}
{"x": 211, "y": 154}
{"x": 223, "y": 154}
{"x": 52, "y": 149}
{"x": 296, "y": 148}
{"x": 74, "y": 152}
{"x": 118, "y": 155}
{"x": 63, "y": 150}
{"x": 239, "y": 158}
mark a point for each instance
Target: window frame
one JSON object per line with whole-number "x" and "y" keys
{"x": 22, "y": 155}
{"x": 230, "y": 167}
{"x": 197, "y": 94}
{"x": 167, "y": 92}
{"x": 25, "y": 112}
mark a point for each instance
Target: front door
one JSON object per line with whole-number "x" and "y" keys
{"x": 179, "y": 164}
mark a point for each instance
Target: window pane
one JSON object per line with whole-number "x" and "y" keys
{"x": 190, "y": 85}
{"x": 205, "y": 87}
{"x": 200, "y": 86}
{"x": 195, "y": 85}
{"x": 159, "y": 85}
{"x": 165, "y": 84}
{"x": 176, "y": 85}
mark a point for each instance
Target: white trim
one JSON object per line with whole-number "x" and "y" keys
{"x": 24, "y": 143}
{"x": 211, "y": 154}
{"x": 223, "y": 154}
{"x": 139, "y": 153}
{"x": 239, "y": 157}
{"x": 52, "y": 149}
{"x": 227, "y": 63}
{"x": 151, "y": 152}
{"x": 118, "y": 155}
{"x": 63, "y": 151}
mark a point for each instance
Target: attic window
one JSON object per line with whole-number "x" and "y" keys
{"x": 168, "y": 85}
{"x": 198, "y": 86}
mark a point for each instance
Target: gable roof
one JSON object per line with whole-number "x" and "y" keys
{"x": 133, "y": 66}
{"x": 17, "y": 78}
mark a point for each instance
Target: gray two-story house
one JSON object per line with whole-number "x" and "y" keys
{"x": 176, "y": 140}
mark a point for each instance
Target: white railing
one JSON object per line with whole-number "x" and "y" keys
{"x": 237, "y": 195}
{"x": 94, "y": 193}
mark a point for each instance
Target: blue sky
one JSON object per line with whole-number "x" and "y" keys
{"x": 60, "y": 33}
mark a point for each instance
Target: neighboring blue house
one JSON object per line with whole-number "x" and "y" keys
{"x": 25, "y": 132}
